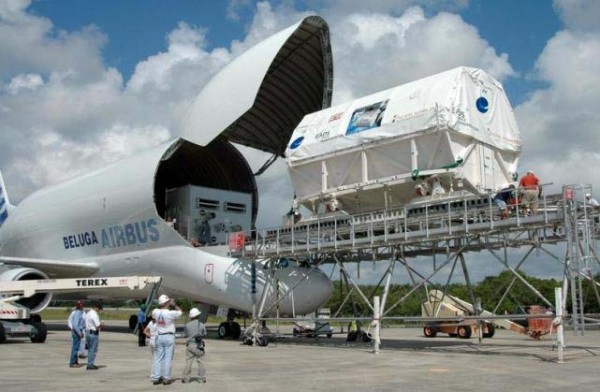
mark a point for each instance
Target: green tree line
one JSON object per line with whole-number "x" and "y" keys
{"x": 489, "y": 292}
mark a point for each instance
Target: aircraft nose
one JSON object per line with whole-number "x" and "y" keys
{"x": 311, "y": 289}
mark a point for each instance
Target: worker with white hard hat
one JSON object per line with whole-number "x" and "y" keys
{"x": 195, "y": 330}
{"x": 165, "y": 317}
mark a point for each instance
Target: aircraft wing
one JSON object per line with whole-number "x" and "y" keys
{"x": 54, "y": 268}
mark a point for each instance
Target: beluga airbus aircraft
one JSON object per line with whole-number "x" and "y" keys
{"x": 169, "y": 210}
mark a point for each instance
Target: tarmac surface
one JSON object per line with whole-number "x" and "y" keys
{"x": 407, "y": 362}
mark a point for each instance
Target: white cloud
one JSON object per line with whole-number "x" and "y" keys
{"x": 28, "y": 44}
{"x": 24, "y": 82}
{"x": 183, "y": 69}
{"x": 559, "y": 123}
{"x": 579, "y": 14}
{"x": 373, "y": 52}
{"x": 394, "y": 7}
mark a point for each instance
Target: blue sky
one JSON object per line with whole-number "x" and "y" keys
{"x": 136, "y": 29}
{"x": 85, "y": 83}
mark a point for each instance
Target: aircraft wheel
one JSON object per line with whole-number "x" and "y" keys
{"x": 132, "y": 322}
{"x": 262, "y": 341}
{"x": 464, "y": 332}
{"x": 224, "y": 330}
{"x": 2, "y": 333}
{"x": 236, "y": 331}
{"x": 365, "y": 338}
{"x": 491, "y": 330}
{"x": 39, "y": 333}
{"x": 429, "y": 331}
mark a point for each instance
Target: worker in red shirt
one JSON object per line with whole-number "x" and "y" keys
{"x": 529, "y": 185}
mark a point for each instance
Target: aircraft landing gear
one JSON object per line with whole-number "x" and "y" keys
{"x": 229, "y": 329}
{"x": 257, "y": 334}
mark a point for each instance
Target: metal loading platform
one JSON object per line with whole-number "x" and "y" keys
{"x": 445, "y": 230}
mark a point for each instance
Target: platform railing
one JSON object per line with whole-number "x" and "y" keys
{"x": 427, "y": 219}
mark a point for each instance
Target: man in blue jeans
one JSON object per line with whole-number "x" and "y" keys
{"x": 77, "y": 326}
{"x": 92, "y": 329}
{"x": 165, "y": 317}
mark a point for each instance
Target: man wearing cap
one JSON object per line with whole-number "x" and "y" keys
{"x": 530, "y": 186}
{"x": 92, "y": 329}
{"x": 76, "y": 324}
{"x": 165, "y": 340}
{"x": 195, "y": 331}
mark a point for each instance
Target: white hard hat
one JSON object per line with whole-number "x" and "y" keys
{"x": 530, "y": 171}
{"x": 587, "y": 195}
{"x": 163, "y": 299}
{"x": 194, "y": 312}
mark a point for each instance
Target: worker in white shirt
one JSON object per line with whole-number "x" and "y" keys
{"x": 92, "y": 329}
{"x": 165, "y": 317}
{"x": 590, "y": 201}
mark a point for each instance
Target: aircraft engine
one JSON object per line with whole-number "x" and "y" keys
{"x": 35, "y": 303}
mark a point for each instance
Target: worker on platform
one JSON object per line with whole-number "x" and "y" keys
{"x": 502, "y": 199}
{"x": 530, "y": 186}
{"x": 590, "y": 201}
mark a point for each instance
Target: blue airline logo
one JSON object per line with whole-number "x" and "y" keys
{"x": 115, "y": 236}
{"x": 3, "y": 207}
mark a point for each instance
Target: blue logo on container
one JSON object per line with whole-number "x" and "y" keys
{"x": 296, "y": 143}
{"x": 482, "y": 104}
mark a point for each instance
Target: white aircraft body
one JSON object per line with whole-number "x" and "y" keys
{"x": 153, "y": 214}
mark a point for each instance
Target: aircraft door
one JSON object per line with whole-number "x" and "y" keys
{"x": 208, "y": 273}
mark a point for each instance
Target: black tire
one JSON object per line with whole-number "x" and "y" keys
{"x": 295, "y": 332}
{"x": 132, "y": 322}
{"x": 2, "y": 333}
{"x": 236, "y": 331}
{"x": 329, "y": 335}
{"x": 464, "y": 331}
{"x": 430, "y": 331}
{"x": 262, "y": 341}
{"x": 352, "y": 336}
{"x": 224, "y": 330}
{"x": 39, "y": 334}
{"x": 491, "y": 331}
{"x": 365, "y": 338}
{"x": 35, "y": 318}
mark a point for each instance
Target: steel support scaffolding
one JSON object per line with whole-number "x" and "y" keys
{"x": 448, "y": 228}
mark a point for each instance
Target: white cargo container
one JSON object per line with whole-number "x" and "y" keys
{"x": 450, "y": 133}
{"x": 206, "y": 216}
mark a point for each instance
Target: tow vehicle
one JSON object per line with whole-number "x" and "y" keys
{"x": 17, "y": 321}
